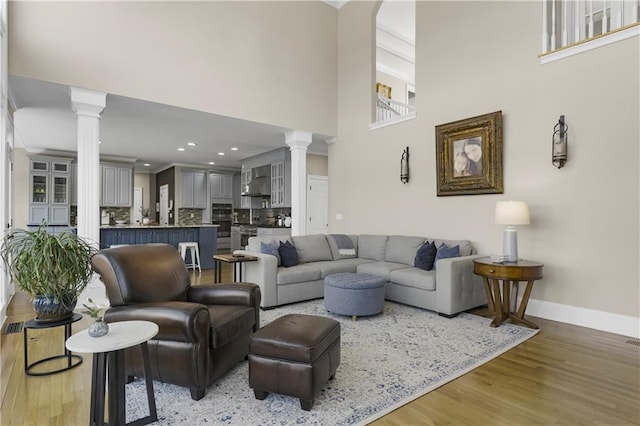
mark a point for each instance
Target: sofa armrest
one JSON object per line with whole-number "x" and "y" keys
{"x": 262, "y": 272}
{"x": 457, "y": 287}
{"x": 177, "y": 321}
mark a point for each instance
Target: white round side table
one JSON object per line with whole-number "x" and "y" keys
{"x": 109, "y": 351}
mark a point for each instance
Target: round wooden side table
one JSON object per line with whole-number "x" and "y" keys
{"x": 503, "y": 306}
{"x": 108, "y": 351}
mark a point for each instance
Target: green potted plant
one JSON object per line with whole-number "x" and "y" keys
{"x": 52, "y": 268}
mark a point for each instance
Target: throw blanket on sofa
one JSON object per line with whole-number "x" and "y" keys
{"x": 344, "y": 244}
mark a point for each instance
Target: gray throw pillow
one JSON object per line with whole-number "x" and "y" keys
{"x": 272, "y": 249}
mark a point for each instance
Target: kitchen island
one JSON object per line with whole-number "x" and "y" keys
{"x": 205, "y": 235}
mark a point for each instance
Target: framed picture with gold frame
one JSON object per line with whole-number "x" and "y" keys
{"x": 469, "y": 156}
{"x": 384, "y": 90}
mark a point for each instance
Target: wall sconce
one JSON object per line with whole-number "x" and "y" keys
{"x": 404, "y": 166}
{"x": 559, "y": 143}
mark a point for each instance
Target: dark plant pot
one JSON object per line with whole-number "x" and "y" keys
{"x": 48, "y": 310}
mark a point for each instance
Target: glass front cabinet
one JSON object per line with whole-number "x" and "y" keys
{"x": 49, "y": 180}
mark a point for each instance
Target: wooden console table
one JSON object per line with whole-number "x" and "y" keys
{"x": 504, "y": 306}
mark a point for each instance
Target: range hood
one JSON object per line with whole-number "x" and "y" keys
{"x": 260, "y": 183}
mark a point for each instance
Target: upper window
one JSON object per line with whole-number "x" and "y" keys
{"x": 573, "y": 26}
{"x": 394, "y": 89}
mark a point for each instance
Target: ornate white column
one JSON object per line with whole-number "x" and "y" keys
{"x": 298, "y": 142}
{"x": 88, "y": 104}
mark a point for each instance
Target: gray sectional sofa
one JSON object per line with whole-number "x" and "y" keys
{"x": 449, "y": 289}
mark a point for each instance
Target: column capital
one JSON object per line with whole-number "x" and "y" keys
{"x": 87, "y": 102}
{"x": 298, "y": 139}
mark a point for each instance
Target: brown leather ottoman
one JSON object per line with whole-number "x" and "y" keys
{"x": 294, "y": 355}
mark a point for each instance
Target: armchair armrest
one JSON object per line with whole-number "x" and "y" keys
{"x": 177, "y": 321}
{"x": 245, "y": 294}
{"x": 458, "y": 288}
{"x": 264, "y": 273}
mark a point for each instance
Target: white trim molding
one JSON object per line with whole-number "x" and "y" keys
{"x": 604, "y": 40}
{"x": 391, "y": 122}
{"x": 583, "y": 317}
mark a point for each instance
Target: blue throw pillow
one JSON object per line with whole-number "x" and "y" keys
{"x": 425, "y": 256}
{"x": 444, "y": 252}
{"x": 288, "y": 254}
{"x": 272, "y": 249}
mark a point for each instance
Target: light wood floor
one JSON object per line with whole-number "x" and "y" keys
{"x": 565, "y": 375}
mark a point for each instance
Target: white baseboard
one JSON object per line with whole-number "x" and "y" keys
{"x": 590, "y": 318}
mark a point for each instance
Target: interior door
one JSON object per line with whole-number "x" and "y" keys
{"x": 317, "y": 205}
{"x": 164, "y": 204}
{"x": 137, "y": 204}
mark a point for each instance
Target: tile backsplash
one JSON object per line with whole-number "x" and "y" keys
{"x": 189, "y": 217}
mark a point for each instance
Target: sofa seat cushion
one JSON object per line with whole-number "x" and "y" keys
{"x": 312, "y": 248}
{"x": 414, "y": 277}
{"x": 228, "y": 321}
{"x": 298, "y": 273}
{"x": 338, "y": 266}
{"x": 382, "y": 269}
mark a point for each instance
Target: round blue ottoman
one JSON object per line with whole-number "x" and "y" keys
{"x": 354, "y": 294}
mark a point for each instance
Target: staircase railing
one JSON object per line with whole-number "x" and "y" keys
{"x": 388, "y": 109}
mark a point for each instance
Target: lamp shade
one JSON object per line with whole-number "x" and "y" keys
{"x": 512, "y": 213}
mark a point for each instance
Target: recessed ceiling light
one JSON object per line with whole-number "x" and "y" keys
{"x": 99, "y": 142}
{"x": 234, "y": 149}
{"x": 180, "y": 149}
{"x": 146, "y": 164}
{"x": 212, "y": 163}
{"x": 192, "y": 144}
{"x": 221, "y": 153}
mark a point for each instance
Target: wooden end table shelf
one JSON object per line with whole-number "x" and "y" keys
{"x": 511, "y": 274}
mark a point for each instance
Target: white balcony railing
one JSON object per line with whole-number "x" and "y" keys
{"x": 388, "y": 109}
{"x": 569, "y": 22}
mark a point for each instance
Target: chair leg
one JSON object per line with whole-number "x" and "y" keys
{"x": 260, "y": 394}
{"x": 197, "y": 394}
{"x": 306, "y": 405}
{"x": 130, "y": 379}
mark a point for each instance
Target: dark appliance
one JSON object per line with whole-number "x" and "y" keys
{"x": 222, "y": 215}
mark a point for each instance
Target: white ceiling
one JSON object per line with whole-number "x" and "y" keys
{"x": 140, "y": 131}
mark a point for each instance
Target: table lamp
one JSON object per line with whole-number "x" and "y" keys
{"x": 511, "y": 213}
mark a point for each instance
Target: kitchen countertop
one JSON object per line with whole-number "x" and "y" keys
{"x": 261, "y": 226}
{"x": 136, "y": 226}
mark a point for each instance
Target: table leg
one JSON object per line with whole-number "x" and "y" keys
{"x": 506, "y": 296}
{"x": 239, "y": 272}
{"x": 514, "y": 296}
{"x": 235, "y": 271}
{"x": 519, "y": 316}
{"x": 67, "y": 334}
{"x": 497, "y": 303}
{"x": 218, "y": 271}
{"x": 98, "y": 379}
{"x": 117, "y": 379}
{"x": 151, "y": 399}
{"x": 24, "y": 344}
{"x": 487, "y": 290}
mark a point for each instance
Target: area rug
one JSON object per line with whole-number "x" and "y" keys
{"x": 387, "y": 360}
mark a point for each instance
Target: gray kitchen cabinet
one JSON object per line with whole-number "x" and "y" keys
{"x": 278, "y": 185}
{"x": 73, "y": 185}
{"x": 248, "y": 202}
{"x": 117, "y": 185}
{"x": 49, "y": 190}
{"x": 221, "y": 186}
{"x": 193, "y": 190}
{"x": 109, "y": 237}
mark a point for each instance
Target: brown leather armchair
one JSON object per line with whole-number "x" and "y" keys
{"x": 204, "y": 329}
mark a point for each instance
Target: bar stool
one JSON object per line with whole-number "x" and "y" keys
{"x": 194, "y": 251}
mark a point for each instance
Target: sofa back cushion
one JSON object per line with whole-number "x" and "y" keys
{"x": 335, "y": 240}
{"x": 312, "y": 248}
{"x": 403, "y": 249}
{"x": 372, "y": 247}
{"x": 255, "y": 242}
{"x": 466, "y": 248}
